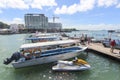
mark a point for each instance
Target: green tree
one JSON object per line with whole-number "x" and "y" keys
{"x": 3, "y": 25}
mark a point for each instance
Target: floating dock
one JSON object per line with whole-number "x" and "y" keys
{"x": 100, "y": 49}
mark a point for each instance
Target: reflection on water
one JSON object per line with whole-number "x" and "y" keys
{"x": 102, "y": 68}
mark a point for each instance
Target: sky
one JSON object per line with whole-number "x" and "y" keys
{"x": 79, "y": 14}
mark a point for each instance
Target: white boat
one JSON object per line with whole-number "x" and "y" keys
{"x": 43, "y": 37}
{"x": 46, "y": 52}
{"x": 76, "y": 65}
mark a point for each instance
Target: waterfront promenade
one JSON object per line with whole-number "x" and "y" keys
{"x": 98, "y": 47}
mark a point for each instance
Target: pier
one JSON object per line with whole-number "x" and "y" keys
{"x": 100, "y": 49}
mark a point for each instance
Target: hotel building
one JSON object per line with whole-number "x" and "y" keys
{"x": 40, "y": 21}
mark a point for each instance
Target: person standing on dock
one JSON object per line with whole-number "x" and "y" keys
{"x": 89, "y": 40}
{"x": 82, "y": 39}
{"x": 112, "y": 44}
{"x": 86, "y": 39}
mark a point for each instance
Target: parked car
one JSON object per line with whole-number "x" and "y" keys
{"x": 106, "y": 43}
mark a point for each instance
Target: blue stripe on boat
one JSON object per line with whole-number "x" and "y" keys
{"x": 58, "y": 51}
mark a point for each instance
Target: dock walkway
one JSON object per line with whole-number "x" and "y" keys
{"x": 98, "y": 47}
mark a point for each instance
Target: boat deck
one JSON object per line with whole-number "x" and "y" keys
{"x": 98, "y": 47}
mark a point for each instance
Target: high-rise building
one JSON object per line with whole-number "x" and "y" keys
{"x": 36, "y": 21}
{"x": 40, "y": 21}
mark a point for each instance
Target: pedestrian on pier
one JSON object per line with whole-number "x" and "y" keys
{"x": 89, "y": 40}
{"x": 112, "y": 44}
{"x": 82, "y": 39}
{"x": 86, "y": 39}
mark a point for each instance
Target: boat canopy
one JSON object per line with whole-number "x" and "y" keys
{"x": 48, "y": 43}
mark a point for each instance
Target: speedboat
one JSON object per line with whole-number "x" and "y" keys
{"x": 45, "y": 52}
{"x": 75, "y": 65}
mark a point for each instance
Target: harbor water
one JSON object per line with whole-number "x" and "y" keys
{"x": 102, "y": 68}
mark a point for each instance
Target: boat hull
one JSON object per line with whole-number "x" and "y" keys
{"x": 71, "y": 68}
{"x": 47, "y": 59}
{"x": 74, "y": 65}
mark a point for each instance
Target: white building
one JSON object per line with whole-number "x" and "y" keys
{"x": 15, "y": 27}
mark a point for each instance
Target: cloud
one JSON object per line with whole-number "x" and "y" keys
{"x": 66, "y": 10}
{"x": 118, "y": 6}
{"x": 101, "y": 26}
{"x": 0, "y": 11}
{"x": 19, "y": 4}
{"x": 40, "y": 3}
{"x": 26, "y": 4}
{"x": 107, "y": 3}
{"x": 83, "y": 6}
{"x": 13, "y": 21}
{"x": 2, "y": 3}
{"x": 17, "y": 21}
{"x": 86, "y": 5}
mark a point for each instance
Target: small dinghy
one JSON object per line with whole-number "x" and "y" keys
{"x": 75, "y": 65}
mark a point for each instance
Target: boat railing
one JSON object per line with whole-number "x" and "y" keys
{"x": 56, "y": 51}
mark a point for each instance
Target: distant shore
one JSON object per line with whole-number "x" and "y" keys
{"x": 23, "y": 31}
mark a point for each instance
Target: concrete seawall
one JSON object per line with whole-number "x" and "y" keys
{"x": 100, "y": 49}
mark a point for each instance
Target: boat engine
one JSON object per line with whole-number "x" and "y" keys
{"x": 15, "y": 57}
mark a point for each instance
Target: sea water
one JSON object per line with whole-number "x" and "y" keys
{"x": 102, "y": 68}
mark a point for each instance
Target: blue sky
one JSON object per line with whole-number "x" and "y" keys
{"x": 80, "y": 14}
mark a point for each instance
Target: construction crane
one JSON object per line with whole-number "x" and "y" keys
{"x": 54, "y": 17}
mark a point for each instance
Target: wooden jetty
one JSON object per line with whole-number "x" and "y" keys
{"x": 98, "y": 47}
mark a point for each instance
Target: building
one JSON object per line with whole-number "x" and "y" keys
{"x": 55, "y": 26}
{"x": 40, "y": 22}
{"x": 16, "y": 27}
{"x": 36, "y": 21}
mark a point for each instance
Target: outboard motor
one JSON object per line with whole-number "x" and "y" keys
{"x": 7, "y": 61}
{"x": 15, "y": 56}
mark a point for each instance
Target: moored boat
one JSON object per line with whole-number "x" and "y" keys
{"x": 42, "y": 37}
{"x": 45, "y": 52}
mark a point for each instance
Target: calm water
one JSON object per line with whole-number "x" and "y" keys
{"x": 102, "y": 67}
